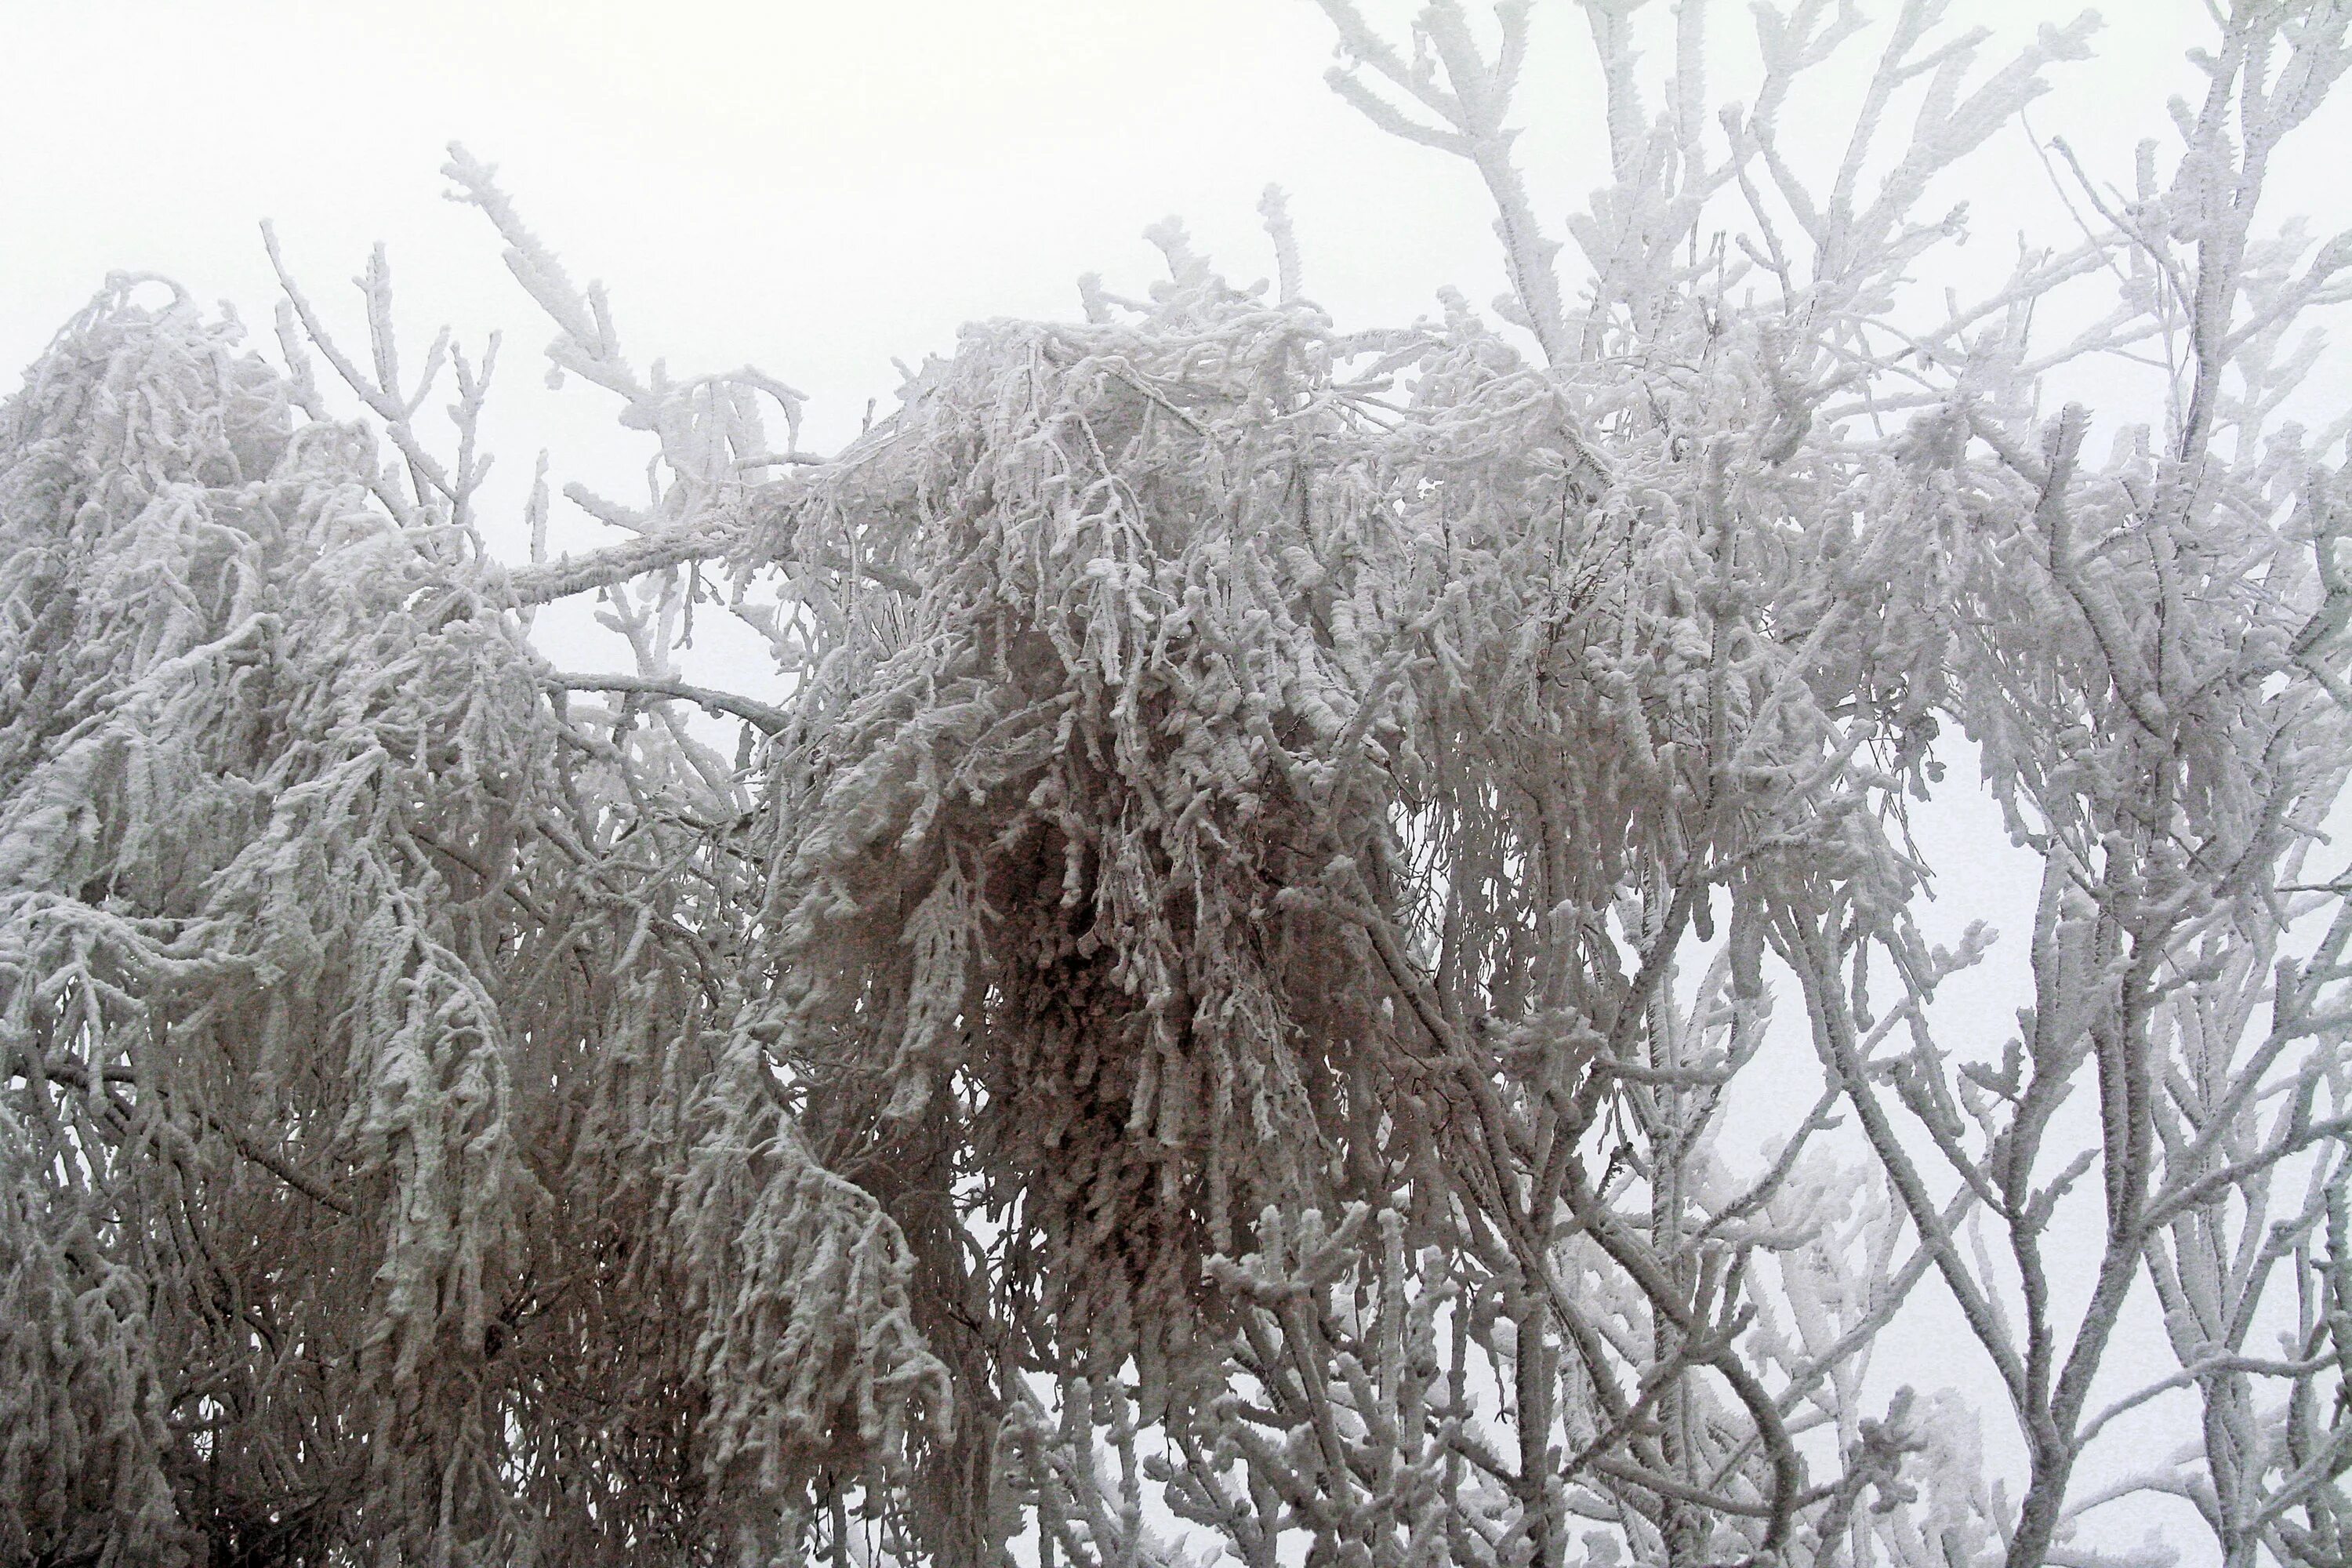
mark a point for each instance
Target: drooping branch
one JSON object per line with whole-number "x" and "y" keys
{"x": 773, "y": 721}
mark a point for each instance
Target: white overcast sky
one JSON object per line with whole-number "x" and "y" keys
{"x": 813, "y": 186}
{"x": 817, "y": 187}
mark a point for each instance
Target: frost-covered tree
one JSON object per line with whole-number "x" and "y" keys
{"x": 1223, "y": 993}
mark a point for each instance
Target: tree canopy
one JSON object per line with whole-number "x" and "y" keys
{"x": 1221, "y": 996}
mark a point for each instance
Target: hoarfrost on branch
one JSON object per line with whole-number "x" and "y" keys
{"x": 1207, "y": 1006}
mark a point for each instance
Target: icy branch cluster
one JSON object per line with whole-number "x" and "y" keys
{"x": 1224, "y": 995}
